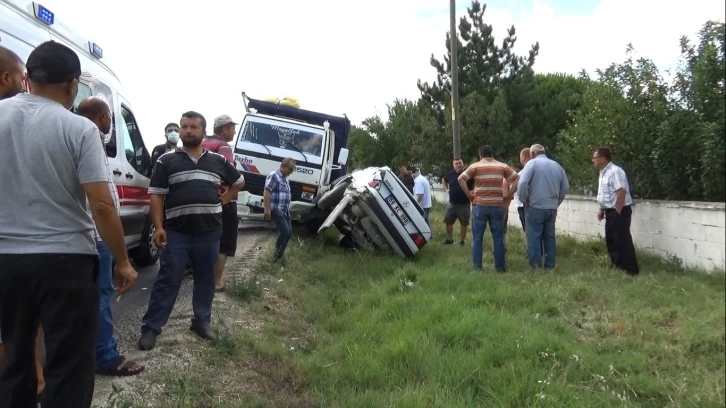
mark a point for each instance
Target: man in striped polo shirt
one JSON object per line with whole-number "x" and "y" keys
{"x": 186, "y": 183}
{"x": 488, "y": 202}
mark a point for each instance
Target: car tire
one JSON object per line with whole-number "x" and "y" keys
{"x": 147, "y": 253}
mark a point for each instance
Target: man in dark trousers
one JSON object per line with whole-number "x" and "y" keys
{"x": 48, "y": 257}
{"x": 459, "y": 206}
{"x": 186, "y": 183}
{"x": 613, "y": 196}
{"x": 12, "y": 72}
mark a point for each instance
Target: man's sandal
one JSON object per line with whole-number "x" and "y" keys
{"x": 122, "y": 368}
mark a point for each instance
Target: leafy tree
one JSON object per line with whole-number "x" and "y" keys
{"x": 670, "y": 138}
{"x": 363, "y": 148}
{"x": 485, "y": 69}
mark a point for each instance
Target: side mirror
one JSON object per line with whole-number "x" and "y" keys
{"x": 343, "y": 156}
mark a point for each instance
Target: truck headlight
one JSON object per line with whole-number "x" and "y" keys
{"x": 306, "y": 195}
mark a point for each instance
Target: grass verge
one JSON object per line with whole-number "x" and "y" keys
{"x": 350, "y": 329}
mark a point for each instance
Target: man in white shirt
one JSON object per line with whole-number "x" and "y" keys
{"x": 613, "y": 196}
{"x": 517, "y": 202}
{"x": 422, "y": 192}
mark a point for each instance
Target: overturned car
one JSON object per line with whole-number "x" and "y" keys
{"x": 374, "y": 211}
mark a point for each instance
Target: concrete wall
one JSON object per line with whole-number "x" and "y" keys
{"x": 694, "y": 232}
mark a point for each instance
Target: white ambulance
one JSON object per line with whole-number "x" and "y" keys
{"x": 23, "y": 26}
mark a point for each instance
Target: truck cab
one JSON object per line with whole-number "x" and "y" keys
{"x": 271, "y": 132}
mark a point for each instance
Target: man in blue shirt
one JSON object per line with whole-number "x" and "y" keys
{"x": 542, "y": 188}
{"x": 276, "y": 199}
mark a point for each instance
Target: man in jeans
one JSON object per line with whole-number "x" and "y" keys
{"x": 48, "y": 258}
{"x": 276, "y": 199}
{"x": 186, "y": 183}
{"x": 459, "y": 206}
{"x": 542, "y": 187}
{"x": 108, "y": 359}
{"x": 487, "y": 204}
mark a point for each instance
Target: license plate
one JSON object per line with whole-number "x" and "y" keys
{"x": 398, "y": 210}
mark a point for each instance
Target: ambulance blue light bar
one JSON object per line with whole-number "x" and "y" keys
{"x": 95, "y": 49}
{"x": 43, "y": 14}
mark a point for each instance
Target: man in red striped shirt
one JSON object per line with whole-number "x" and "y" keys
{"x": 224, "y": 132}
{"x": 488, "y": 203}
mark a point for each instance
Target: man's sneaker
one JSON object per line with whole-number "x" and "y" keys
{"x": 461, "y": 243}
{"x": 449, "y": 241}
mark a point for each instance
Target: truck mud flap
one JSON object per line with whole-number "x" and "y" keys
{"x": 401, "y": 241}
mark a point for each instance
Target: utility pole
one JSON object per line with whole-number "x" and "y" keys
{"x": 455, "y": 119}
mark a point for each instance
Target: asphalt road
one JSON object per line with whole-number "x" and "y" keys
{"x": 129, "y": 309}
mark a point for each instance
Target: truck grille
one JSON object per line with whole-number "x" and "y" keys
{"x": 255, "y": 184}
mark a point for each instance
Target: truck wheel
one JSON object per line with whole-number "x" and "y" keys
{"x": 147, "y": 253}
{"x": 346, "y": 241}
{"x": 315, "y": 220}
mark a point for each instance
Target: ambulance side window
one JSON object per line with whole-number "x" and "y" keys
{"x": 134, "y": 149}
{"x": 84, "y": 91}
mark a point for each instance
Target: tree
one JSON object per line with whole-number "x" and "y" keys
{"x": 485, "y": 69}
{"x": 670, "y": 138}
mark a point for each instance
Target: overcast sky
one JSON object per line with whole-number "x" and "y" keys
{"x": 345, "y": 56}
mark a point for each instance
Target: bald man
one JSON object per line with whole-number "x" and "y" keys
{"x": 108, "y": 359}
{"x": 12, "y": 73}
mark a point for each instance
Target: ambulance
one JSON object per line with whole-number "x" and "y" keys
{"x": 23, "y": 26}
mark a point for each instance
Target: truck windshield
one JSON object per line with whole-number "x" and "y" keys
{"x": 279, "y": 134}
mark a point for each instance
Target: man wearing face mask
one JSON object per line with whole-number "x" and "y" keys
{"x": 48, "y": 258}
{"x": 171, "y": 132}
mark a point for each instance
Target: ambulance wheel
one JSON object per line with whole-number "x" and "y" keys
{"x": 146, "y": 253}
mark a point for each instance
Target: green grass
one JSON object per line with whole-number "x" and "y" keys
{"x": 344, "y": 329}
{"x": 579, "y": 336}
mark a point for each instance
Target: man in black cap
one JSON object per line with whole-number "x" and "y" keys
{"x": 48, "y": 257}
{"x": 12, "y": 73}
